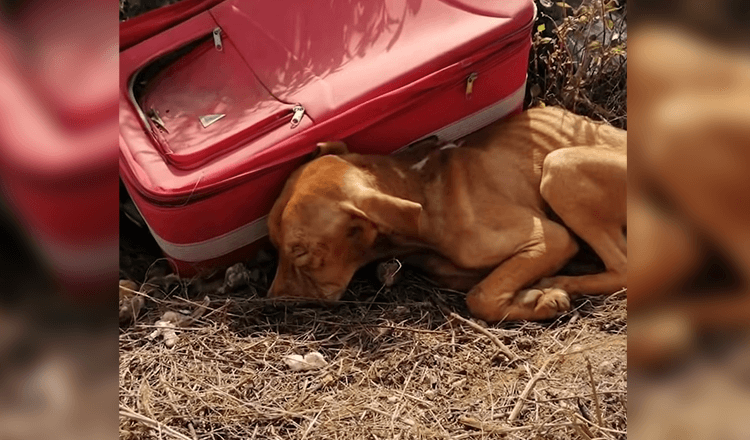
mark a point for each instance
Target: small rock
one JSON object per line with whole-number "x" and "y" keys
{"x": 236, "y": 277}
{"x": 310, "y": 361}
{"x": 170, "y": 320}
{"x": 607, "y": 368}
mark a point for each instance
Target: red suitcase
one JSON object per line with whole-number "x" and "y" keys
{"x": 217, "y": 110}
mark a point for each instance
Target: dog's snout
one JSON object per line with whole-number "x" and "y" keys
{"x": 276, "y": 286}
{"x": 272, "y": 291}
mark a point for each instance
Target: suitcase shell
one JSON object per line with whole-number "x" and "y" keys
{"x": 218, "y": 110}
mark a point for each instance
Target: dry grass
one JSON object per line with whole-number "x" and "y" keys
{"x": 400, "y": 365}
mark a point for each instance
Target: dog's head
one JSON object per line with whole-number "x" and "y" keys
{"x": 325, "y": 223}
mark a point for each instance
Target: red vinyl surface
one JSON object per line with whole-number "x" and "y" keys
{"x": 379, "y": 76}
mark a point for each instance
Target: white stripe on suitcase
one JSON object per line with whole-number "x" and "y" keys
{"x": 247, "y": 234}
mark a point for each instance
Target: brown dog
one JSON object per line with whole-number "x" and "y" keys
{"x": 473, "y": 216}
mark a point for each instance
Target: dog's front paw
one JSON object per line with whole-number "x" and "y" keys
{"x": 546, "y": 302}
{"x": 554, "y": 300}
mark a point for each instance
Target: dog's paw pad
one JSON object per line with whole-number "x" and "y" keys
{"x": 528, "y": 297}
{"x": 553, "y": 302}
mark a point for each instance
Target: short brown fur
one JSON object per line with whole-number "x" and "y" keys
{"x": 473, "y": 216}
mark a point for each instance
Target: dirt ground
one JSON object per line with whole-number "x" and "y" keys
{"x": 404, "y": 362}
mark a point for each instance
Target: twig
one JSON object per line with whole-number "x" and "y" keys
{"x": 506, "y": 351}
{"x": 192, "y": 430}
{"x": 529, "y": 386}
{"x": 581, "y": 430}
{"x": 494, "y": 428}
{"x": 125, "y": 412}
{"x": 314, "y": 420}
{"x": 593, "y": 391}
{"x": 589, "y": 422}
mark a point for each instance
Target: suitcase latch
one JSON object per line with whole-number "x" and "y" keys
{"x": 217, "y": 39}
{"x": 299, "y": 112}
{"x": 470, "y": 84}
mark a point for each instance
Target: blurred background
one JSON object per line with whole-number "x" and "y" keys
{"x": 689, "y": 139}
{"x": 688, "y": 212}
{"x": 58, "y": 219}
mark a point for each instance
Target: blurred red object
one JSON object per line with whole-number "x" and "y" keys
{"x": 58, "y": 125}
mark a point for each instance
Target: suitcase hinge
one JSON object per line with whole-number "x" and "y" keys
{"x": 217, "y": 39}
{"x": 299, "y": 112}
{"x": 470, "y": 84}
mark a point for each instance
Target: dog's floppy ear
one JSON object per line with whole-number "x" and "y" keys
{"x": 332, "y": 147}
{"x": 390, "y": 214}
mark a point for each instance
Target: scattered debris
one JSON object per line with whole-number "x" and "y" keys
{"x": 506, "y": 351}
{"x": 236, "y": 277}
{"x": 130, "y": 302}
{"x": 171, "y": 321}
{"x": 388, "y": 271}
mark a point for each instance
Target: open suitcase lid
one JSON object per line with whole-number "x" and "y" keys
{"x": 232, "y": 76}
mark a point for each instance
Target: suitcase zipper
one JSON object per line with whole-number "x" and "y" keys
{"x": 299, "y": 112}
{"x": 217, "y": 39}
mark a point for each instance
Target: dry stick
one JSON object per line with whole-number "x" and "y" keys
{"x": 125, "y": 412}
{"x": 314, "y": 420}
{"x": 589, "y": 422}
{"x": 493, "y": 428}
{"x": 529, "y": 386}
{"x": 396, "y": 412}
{"x": 593, "y": 391}
{"x": 192, "y": 430}
{"x": 506, "y": 351}
{"x": 578, "y": 428}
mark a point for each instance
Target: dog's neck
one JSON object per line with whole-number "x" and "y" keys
{"x": 391, "y": 175}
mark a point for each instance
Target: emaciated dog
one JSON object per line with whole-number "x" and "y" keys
{"x": 473, "y": 217}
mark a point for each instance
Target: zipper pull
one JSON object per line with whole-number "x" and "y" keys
{"x": 299, "y": 111}
{"x": 217, "y": 39}
{"x": 470, "y": 84}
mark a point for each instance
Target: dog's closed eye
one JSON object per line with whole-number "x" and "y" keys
{"x": 298, "y": 250}
{"x": 300, "y": 255}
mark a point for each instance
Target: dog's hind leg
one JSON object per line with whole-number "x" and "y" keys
{"x": 587, "y": 188}
{"x": 503, "y": 296}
